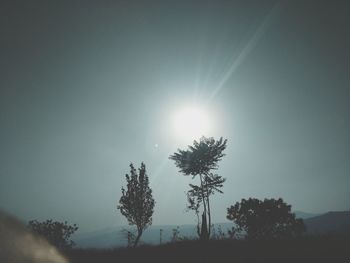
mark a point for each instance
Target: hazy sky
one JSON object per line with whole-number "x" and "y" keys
{"x": 87, "y": 88}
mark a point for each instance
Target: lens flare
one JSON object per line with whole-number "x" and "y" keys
{"x": 191, "y": 123}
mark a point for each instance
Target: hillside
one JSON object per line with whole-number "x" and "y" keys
{"x": 329, "y": 223}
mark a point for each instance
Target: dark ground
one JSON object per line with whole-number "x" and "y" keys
{"x": 320, "y": 249}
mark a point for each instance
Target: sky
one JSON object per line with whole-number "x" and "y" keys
{"x": 88, "y": 87}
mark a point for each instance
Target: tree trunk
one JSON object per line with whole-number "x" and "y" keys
{"x": 139, "y": 233}
{"x": 207, "y": 204}
{"x": 198, "y": 224}
{"x": 202, "y": 192}
{"x": 204, "y": 228}
{"x": 208, "y": 208}
{"x": 209, "y": 216}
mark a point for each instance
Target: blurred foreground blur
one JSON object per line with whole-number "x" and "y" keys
{"x": 18, "y": 245}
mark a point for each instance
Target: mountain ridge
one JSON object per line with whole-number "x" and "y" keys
{"x": 333, "y": 222}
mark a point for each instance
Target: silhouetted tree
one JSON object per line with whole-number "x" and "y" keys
{"x": 199, "y": 160}
{"x": 218, "y": 233}
{"x": 137, "y": 203}
{"x": 56, "y": 233}
{"x": 270, "y": 218}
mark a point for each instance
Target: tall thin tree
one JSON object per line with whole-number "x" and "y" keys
{"x": 199, "y": 161}
{"x": 136, "y": 202}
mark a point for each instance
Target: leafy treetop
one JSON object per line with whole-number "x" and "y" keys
{"x": 200, "y": 158}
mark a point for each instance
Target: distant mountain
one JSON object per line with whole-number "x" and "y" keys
{"x": 304, "y": 215}
{"x": 329, "y": 223}
{"x": 116, "y": 237}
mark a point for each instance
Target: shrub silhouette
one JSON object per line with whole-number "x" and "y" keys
{"x": 199, "y": 160}
{"x": 57, "y": 233}
{"x": 270, "y": 218}
{"x": 175, "y": 237}
{"x": 137, "y": 203}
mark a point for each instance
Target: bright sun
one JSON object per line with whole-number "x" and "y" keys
{"x": 191, "y": 123}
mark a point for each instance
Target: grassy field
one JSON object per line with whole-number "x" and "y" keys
{"x": 320, "y": 249}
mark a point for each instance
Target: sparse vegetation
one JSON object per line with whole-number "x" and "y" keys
{"x": 175, "y": 234}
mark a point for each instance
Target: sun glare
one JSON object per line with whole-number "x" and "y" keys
{"x": 191, "y": 123}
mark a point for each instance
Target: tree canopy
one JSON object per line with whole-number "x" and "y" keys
{"x": 269, "y": 218}
{"x": 200, "y": 158}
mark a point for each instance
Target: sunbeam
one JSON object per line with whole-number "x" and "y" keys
{"x": 251, "y": 44}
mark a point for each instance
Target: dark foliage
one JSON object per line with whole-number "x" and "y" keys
{"x": 270, "y": 218}
{"x": 199, "y": 160}
{"x": 57, "y": 233}
{"x": 136, "y": 202}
